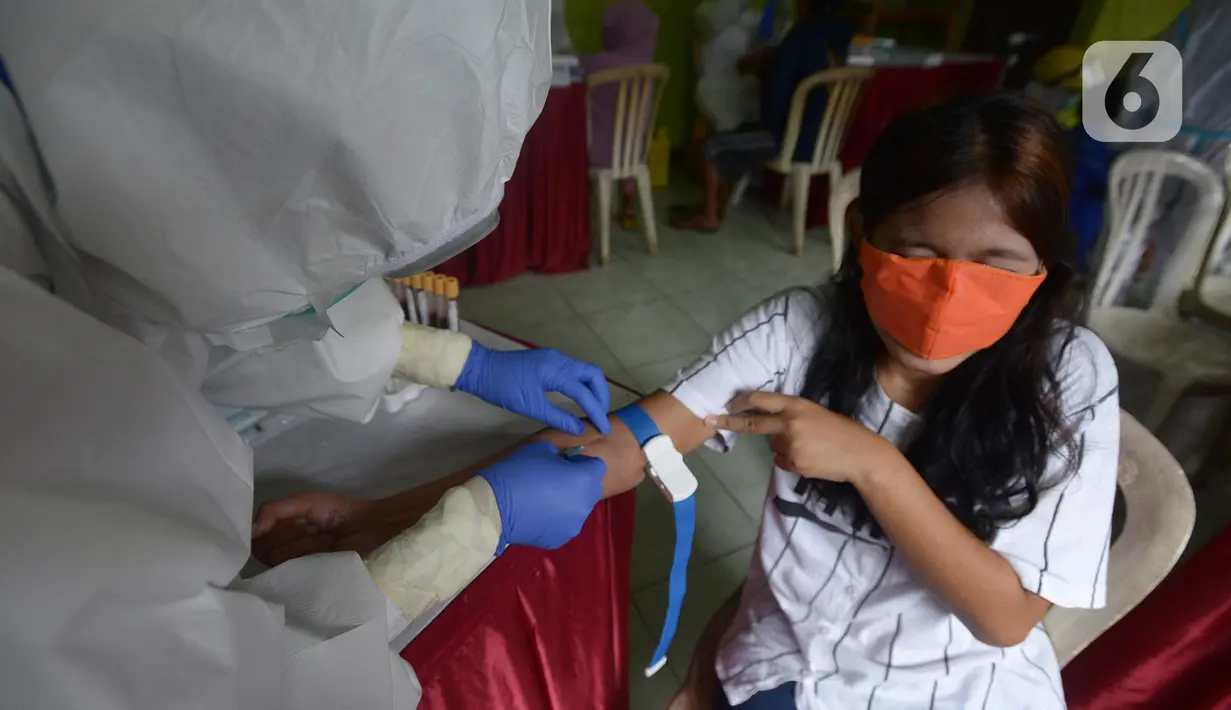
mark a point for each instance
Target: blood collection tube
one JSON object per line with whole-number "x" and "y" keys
{"x": 422, "y": 285}
{"x": 399, "y": 293}
{"x": 452, "y": 291}
{"x": 440, "y": 305}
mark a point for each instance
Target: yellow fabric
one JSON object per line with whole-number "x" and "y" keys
{"x": 1058, "y": 62}
{"x": 660, "y": 158}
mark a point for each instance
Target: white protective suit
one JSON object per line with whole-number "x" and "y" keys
{"x": 225, "y": 181}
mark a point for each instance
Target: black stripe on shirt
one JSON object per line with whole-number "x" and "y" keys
{"x": 987, "y": 696}
{"x": 1051, "y": 684}
{"x": 893, "y": 642}
{"x": 864, "y": 600}
{"x": 932, "y": 702}
{"x": 1099, "y": 567}
{"x": 713, "y": 359}
{"x": 1094, "y": 405}
{"x": 873, "y": 696}
{"x": 948, "y": 644}
{"x": 828, "y": 579}
{"x": 1046, "y": 540}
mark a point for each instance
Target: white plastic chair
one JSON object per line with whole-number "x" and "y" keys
{"x": 1183, "y": 353}
{"x": 845, "y": 85}
{"x": 639, "y": 91}
{"x": 1159, "y": 516}
{"x": 840, "y": 199}
{"x": 1210, "y": 297}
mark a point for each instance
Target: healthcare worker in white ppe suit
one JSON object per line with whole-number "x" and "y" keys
{"x": 197, "y": 201}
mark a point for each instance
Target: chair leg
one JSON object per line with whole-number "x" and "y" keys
{"x": 604, "y": 218}
{"x": 799, "y": 184}
{"x": 737, "y": 194}
{"x": 646, "y": 198}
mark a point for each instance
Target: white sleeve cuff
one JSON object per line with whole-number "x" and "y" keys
{"x": 702, "y": 407}
{"x": 431, "y": 356}
{"x": 1056, "y": 589}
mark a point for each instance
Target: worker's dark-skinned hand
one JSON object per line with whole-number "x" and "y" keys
{"x": 309, "y": 523}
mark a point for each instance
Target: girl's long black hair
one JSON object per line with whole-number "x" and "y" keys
{"x": 991, "y": 425}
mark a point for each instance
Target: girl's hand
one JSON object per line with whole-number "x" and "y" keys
{"x": 808, "y": 439}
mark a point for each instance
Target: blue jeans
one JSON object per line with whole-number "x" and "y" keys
{"x": 780, "y": 698}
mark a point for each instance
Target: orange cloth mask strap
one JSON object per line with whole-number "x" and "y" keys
{"x": 939, "y": 308}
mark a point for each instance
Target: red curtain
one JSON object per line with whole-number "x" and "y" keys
{"x": 545, "y": 215}
{"x": 1172, "y": 651}
{"x": 538, "y": 630}
{"x": 891, "y": 91}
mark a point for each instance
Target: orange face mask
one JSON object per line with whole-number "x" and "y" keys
{"x": 938, "y": 308}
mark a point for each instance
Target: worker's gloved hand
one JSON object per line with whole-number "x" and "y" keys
{"x": 543, "y": 497}
{"x": 519, "y": 380}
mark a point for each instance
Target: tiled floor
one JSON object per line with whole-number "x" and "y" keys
{"x": 641, "y": 319}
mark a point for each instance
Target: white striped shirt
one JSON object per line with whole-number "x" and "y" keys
{"x": 832, "y": 607}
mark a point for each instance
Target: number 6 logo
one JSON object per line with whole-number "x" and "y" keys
{"x": 1132, "y": 92}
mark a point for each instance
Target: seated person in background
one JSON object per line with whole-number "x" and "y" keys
{"x": 945, "y": 438}
{"x": 817, "y": 42}
{"x": 630, "y": 34}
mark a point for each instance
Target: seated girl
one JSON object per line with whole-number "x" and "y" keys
{"x": 945, "y": 440}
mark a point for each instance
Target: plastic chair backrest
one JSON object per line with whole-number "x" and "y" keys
{"x": 639, "y": 91}
{"x": 845, "y": 85}
{"x": 1210, "y": 297}
{"x": 1159, "y": 515}
{"x": 1135, "y": 182}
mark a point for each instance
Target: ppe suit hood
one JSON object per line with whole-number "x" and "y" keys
{"x": 220, "y": 165}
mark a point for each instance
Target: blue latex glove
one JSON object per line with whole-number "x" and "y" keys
{"x": 544, "y": 498}
{"x": 519, "y": 380}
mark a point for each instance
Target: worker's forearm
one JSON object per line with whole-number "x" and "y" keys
{"x": 433, "y": 560}
{"x": 974, "y": 580}
{"x": 432, "y": 356}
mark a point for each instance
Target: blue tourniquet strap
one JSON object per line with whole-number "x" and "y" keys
{"x": 644, "y": 429}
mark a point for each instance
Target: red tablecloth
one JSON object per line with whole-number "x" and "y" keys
{"x": 1172, "y": 651}
{"x": 545, "y": 215}
{"x": 538, "y": 630}
{"x": 891, "y": 91}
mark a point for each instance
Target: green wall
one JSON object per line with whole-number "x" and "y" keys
{"x": 1123, "y": 19}
{"x": 676, "y": 30}
{"x": 675, "y": 48}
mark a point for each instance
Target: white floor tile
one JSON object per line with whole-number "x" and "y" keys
{"x": 709, "y": 586}
{"x": 528, "y": 299}
{"x": 573, "y": 337}
{"x": 656, "y": 374}
{"x": 744, "y": 472}
{"x": 722, "y": 526}
{"x": 687, "y": 272}
{"x": 646, "y": 693}
{"x": 715, "y": 309}
{"x": 647, "y": 332}
{"x": 615, "y": 286}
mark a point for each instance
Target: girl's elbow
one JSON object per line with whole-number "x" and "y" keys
{"x": 1003, "y": 635}
{"x": 1003, "y": 632}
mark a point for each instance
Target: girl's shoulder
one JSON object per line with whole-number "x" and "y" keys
{"x": 802, "y": 309}
{"x": 1085, "y": 369}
